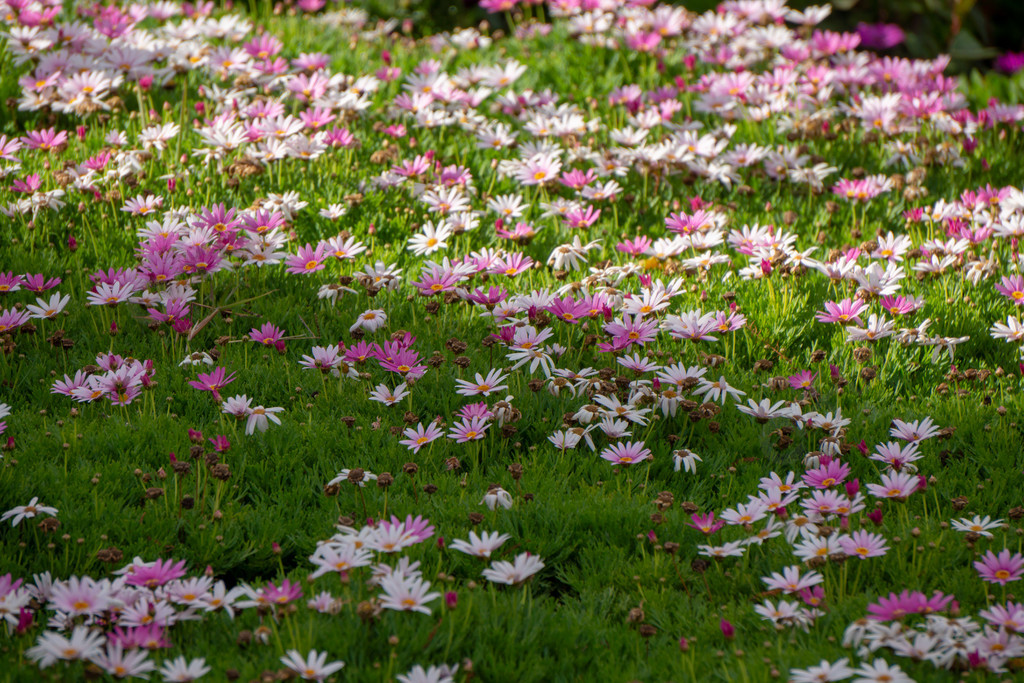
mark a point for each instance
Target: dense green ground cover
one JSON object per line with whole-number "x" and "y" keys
{"x": 772, "y": 126}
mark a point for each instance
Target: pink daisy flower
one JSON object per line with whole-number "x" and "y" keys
{"x": 628, "y": 453}
{"x": 308, "y": 260}
{"x": 1001, "y": 568}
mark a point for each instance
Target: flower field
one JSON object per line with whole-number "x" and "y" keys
{"x": 623, "y": 342}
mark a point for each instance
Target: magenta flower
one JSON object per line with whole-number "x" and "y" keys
{"x": 629, "y": 331}
{"x": 803, "y": 379}
{"x": 635, "y": 246}
{"x": 45, "y": 140}
{"x": 40, "y": 283}
{"x": 628, "y": 453}
{"x": 1010, "y": 63}
{"x": 898, "y": 606}
{"x": 498, "y": 6}
{"x": 308, "y": 260}
{"x": 324, "y": 359}
{"x": 706, "y": 523}
{"x": 148, "y": 637}
{"x": 827, "y": 475}
{"x": 845, "y": 312}
{"x": 220, "y": 443}
{"x": 880, "y": 36}
{"x": 581, "y": 218}
{"x": 863, "y": 544}
{"x": 405, "y": 363}
{"x": 897, "y": 485}
{"x": 28, "y": 185}
{"x": 728, "y": 630}
{"x": 213, "y": 382}
{"x": 1001, "y": 568}
{"x": 419, "y": 436}
{"x": 11, "y": 319}
{"x": 472, "y": 429}
{"x": 1012, "y": 288}
{"x": 157, "y": 574}
{"x": 283, "y": 594}
{"x": 268, "y": 335}
{"x": 9, "y": 282}
{"x": 568, "y": 310}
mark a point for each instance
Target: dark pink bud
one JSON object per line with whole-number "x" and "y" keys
{"x": 195, "y": 436}
{"x": 922, "y": 483}
{"x": 451, "y": 599}
{"x": 113, "y": 328}
{"x": 72, "y": 243}
{"x": 10, "y": 445}
{"x": 440, "y": 542}
{"x": 862, "y": 447}
{"x": 146, "y": 82}
{"x": 684, "y": 644}
{"x": 728, "y": 630}
{"x": 24, "y": 621}
{"x": 852, "y": 487}
{"x": 80, "y": 132}
{"x": 876, "y": 516}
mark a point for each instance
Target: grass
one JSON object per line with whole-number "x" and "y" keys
{"x": 615, "y": 597}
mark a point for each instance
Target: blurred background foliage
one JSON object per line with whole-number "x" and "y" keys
{"x": 975, "y": 33}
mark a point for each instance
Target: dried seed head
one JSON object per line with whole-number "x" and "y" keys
{"x": 109, "y": 555}
{"x": 384, "y": 480}
{"x": 356, "y": 475}
{"x": 368, "y": 611}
